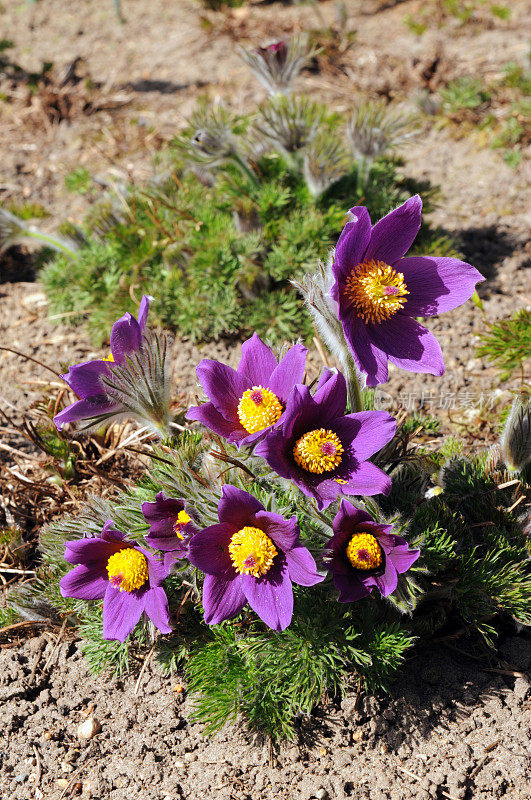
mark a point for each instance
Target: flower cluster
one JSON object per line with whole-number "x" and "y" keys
{"x": 316, "y": 442}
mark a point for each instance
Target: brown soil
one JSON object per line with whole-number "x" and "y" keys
{"x": 450, "y": 729}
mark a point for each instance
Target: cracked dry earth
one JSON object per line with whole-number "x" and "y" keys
{"x": 452, "y": 728}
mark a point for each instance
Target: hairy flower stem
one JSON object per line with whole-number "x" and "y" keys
{"x": 364, "y": 168}
{"x": 353, "y": 386}
{"x": 242, "y": 166}
{"x": 51, "y": 241}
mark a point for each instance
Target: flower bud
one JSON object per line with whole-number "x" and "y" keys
{"x": 515, "y": 442}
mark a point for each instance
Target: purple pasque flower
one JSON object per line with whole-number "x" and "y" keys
{"x": 246, "y": 402}
{"x": 322, "y": 450}
{"x": 86, "y": 379}
{"x": 252, "y": 556}
{"x": 124, "y": 575}
{"x": 365, "y": 554}
{"x": 379, "y": 293}
{"x": 171, "y": 527}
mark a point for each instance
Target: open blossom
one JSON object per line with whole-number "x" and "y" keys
{"x": 379, "y": 292}
{"x": 246, "y": 402}
{"x": 324, "y": 451}
{"x": 126, "y": 577}
{"x": 252, "y": 556}
{"x": 365, "y": 554}
{"x": 171, "y": 527}
{"x": 86, "y": 379}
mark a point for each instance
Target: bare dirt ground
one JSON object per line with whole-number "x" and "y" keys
{"x": 451, "y": 728}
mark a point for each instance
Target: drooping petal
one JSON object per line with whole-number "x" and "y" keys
{"x": 210, "y": 417}
{"x": 302, "y": 567}
{"x": 367, "y": 356}
{"x": 85, "y": 379}
{"x": 209, "y": 549}
{"x": 283, "y": 532}
{"x": 224, "y": 386}
{"x": 85, "y": 582}
{"x": 126, "y": 337}
{"x": 237, "y": 507}
{"x": 88, "y": 409}
{"x": 402, "y": 557}
{"x": 365, "y": 432}
{"x": 353, "y": 242}
{"x": 289, "y": 372}
{"x": 409, "y": 345}
{"x": 387, "y": 582}
{"x": 143, "y": 311}
{"x": 436, "y": 285}
{"x": 271, "y": 595}
{"x": 258, "y": 361}
{"x": 83, "y": 551}
{"x": 222, "y": 599}
{"x": 156, "y": 607}
{"x": 350, "y": 587}
{"x": 121, "y": 612}
{"x": 367, "y": 479}
{"x": 394, "y": 234}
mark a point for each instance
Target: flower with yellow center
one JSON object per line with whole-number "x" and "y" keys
{"x": 318, "y": 451}
{"x": 182, "y": 519}
{"x": 258, "y": 408}
{"x": 364, "y": 552}
{"x": 127, "y": 569}
{"x": 251, "y": 551}
{"x": 376, "y": 290}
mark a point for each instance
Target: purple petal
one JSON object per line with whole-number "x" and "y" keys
{"x": 224, "y": 386}
{"x": 163, "y": 508}
{"x": 300, "y": 412}
{"x": 367, "y": 479}
{"x": 367, "y": 356}
{"x": 85, "y": 583}
{"x": 222, "y": 599}
{"x": 353, "y": 242}
{"x": 409, "y": 345}
{"x": 209, "y": 549}
{"x": 366, "y": 432}
{"x": 332, "y": 396}
{"x": 86, "y": 410}
{"x": 302, "y": 567}
{"x": 393, "y": 235}
{"x": 402, "y": 557}
{"x": 121, "y": 612}
{"x": 208, "y": 416}
{"x": 350, "y": 587}
{"x": 238, "y": 507}
{"x": 271, "y": 595}
{"x": 257, "y": 362}
{"x": 387, "y": 582}
{"x": 324, "y": 377}
{"x": 273, "y": 450}
{"x": 283, "y": 532}
{"x": 126, "y": 337}
{"x": 111, "y": 534}
{"x": 143, "y": 311}
{"x": 156, "y": 607}
{"x": 157, "y": 568}
{"x": 289, "y": 372}
{"x": 348, "y": 516}
{"x": 436, "y": 284}
{"x": 83, "y": 551}
{"x": 85, "y": 379}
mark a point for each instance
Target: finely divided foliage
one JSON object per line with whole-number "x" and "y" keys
{"x": 286, "y": 534}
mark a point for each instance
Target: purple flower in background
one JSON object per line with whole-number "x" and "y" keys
{"x": 252, "y": 556}
{"x": 85, "y": 379}
{"x": 364, "y": 554}
{"x": 379, "y": 293}
{"x": 126, "y": 577}
{"x": 171, "y": 527}
{"x": 325, "y": 452}
{"x": 246, "y": 402}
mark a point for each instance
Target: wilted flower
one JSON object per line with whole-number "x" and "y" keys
{"x": 365, "y": 554}
{"x": 325, "y": 161}
{"x": 325, "y": 452}
{"x": 132, "y": 380}
{"x": 252, "y": 556}
{"x": 515, "y": 443}
{"x": 16, "y": 231}
{"x": 171, "y": 526}
{"x": 246, "y": 402}
{"x": 126, "y": 577}
{"x": 379, "y": 293}
{"x": 277, "y": 64}
{"x": 288, "y": 123}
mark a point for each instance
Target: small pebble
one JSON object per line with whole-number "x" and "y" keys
{"x": 89, "y": 728}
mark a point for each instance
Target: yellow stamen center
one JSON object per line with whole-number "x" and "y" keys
{"x": 318, "y": 451}
{"x": 127, "y": 569}
{"x": 376, "y": 290}
{"x": 258, "y": 409}
{"x": 109, "y": 357}
{"x": 252, "y": 552}
{"x": 364, "y": 552}
{"x": 182, "y": 519}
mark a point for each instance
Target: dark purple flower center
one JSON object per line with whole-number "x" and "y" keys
{"x": 257, "y": 396}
